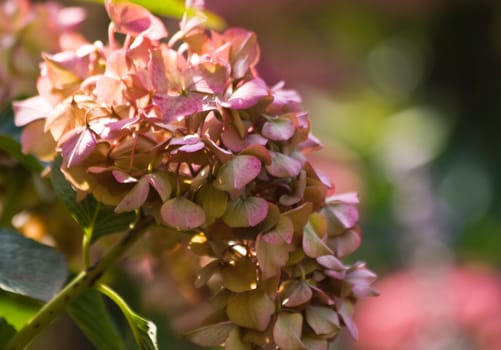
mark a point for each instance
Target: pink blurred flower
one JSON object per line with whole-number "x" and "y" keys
{"x": 457, "y": 308}
{"x": 27, "y": 30}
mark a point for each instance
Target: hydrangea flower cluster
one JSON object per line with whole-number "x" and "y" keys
{"x": 21, "y": 43}
{"x": 184, "y": 129}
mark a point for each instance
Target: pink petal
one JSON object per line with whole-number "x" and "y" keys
{"x": 347, "y": 319}
{"x": 337, "y": 275}
{"x": 189, "y": 143}
{"x": 182, "y": 214}
{"x": 283, "y": 232}
{"x": 346, "y": 243}
{"x": 135, "y": 197}
{"x": 283, "y": 165}
{"x": 173, "y": 107}
{"x": 331, "y": 262}
{"x": 312, "y": 143}
{"x": 158, "y": 72}
{"x": 349, "y": 198}
{"x": 237, "y": 173}
{"x": 65, "y": 68}
{"x": 122, "y": 177}
{"x": 31, "y": 109}
{"x": 116, "y": 64}
{"x": 255, "y": 139}
{"x": 192, "y": 148}
{"x": 222, "y": 154}
{"x": 341, "y": 217}
{"x": 35, "y": 140}
{"x": 232, "y": 139}
{"x": 298, "y": 294}
{"x": 244, "y": 49}
{"x": 108, "y": 90}
{"x": 139, "y": 52}
{"x": 247, "y": 95}
{"x": 361, "y": 275}
{"x": 77, "y": 145}
{"x": 161, "y": 183}
{"x": 128, "y": 18}
{"x": 191, "y": 139}
{"x": 278, "y": 129}
{"x": 69, "y": 18}
{"x": 208, "y": 77}
{"x": 284, "y": 101}
{"x": 157, "y": 30}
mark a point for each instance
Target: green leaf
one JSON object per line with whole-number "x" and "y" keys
{"x": 212, "y": 335}
{"x": 271, "y": 257}
{"x": 17, "y": 309}
{"x": 95, "y": 218}
{"x": 106, "y": 221}
{"x": 17, "y": 179}
{"x": 315, "y": 344}
{"x": 144, "y": 331}
{"x": 323, "y": 320}
{"x": 299, "y": 216}
{"x": 240, "y": 276}
{"x": 213, "y": 201}
{"x": 205, "y": 273}
{"x": 6, "y": 332}
{"x": 252, "y": 309}
{"x": 245, "y": 212}
{"x": 13, "y": 148}
{"x": 287, "y": 331}
{"x": 235, "y": 342}
{"x": 174, "y": 8}
{"x": 7, "y": 125}
{"x": 296, "y": 293}
{"x": 90, "y": 314}
{"x": 313, "y": 245}
{"x": 30, "y": 268}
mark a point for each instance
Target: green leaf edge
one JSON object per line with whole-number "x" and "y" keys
{"x": 90, "y": 314}
{"x": 13, "y": 148}
{"x": 173, "y": 8}
{"x": 143, "y": 330}
{"x": 90, "y": 214}
{"x": 7, "y": 331}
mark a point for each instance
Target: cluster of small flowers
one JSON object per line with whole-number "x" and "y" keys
{"x": 184, "y": 129}
{"x": 21, "y": 24}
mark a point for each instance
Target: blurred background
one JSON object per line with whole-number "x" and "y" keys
{"x": 405, "y": 96}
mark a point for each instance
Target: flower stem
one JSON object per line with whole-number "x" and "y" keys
{"x": 84, "y": 280}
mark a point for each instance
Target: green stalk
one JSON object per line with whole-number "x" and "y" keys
{"x": 83, "y": 281}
